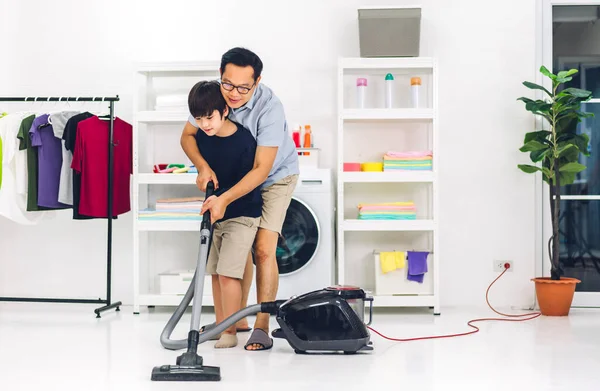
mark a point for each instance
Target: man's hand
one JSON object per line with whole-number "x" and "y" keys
{"x": 216, "y": 206}
{"x": 206, "y": 175}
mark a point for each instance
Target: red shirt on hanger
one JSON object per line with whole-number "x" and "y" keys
{"x": 91, "y": 160}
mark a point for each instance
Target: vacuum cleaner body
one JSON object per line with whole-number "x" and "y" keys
{"x": 326, "y": 320}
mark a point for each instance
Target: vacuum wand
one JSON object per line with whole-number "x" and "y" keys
{"x": 189, "y": 365}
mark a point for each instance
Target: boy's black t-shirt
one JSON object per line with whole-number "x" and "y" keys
{"x": 231, "y": 158}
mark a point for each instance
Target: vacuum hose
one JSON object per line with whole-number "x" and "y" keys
{"x": 168, "y": 343}
{"x": 197, "y": 286}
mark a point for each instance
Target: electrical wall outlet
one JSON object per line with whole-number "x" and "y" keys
{"x": 499, "y": 266}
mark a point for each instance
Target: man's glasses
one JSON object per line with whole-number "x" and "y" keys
{"x": 241, "y": 90}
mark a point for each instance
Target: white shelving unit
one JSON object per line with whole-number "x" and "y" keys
{"x": 156, "y": 140}
{"x": 365, "y": 135}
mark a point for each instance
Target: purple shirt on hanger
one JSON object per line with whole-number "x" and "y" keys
{"x": 49, "y": 162}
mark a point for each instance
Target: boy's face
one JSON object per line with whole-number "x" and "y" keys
{"x": 212, "y": 124}
{"x": 237, "y": 85}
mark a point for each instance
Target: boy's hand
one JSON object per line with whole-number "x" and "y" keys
{"x": 204, "y": 176}
{"x": 216, "y": 206}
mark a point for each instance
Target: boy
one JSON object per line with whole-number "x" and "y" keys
{"x": 229, "y": 148}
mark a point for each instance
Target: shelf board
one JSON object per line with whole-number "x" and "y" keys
{"x": 386, "y": 63}
{"x": 388, "y": 225}
{"x": 404, "y": 301}
{"x": 387, "y": 114}
{"x": 169, "y": 225}
{"x": 165, "y": 117}
{"x": 167, "y": 179}
{"x": 388, "y": 177}
{"x": 178, "y": 67}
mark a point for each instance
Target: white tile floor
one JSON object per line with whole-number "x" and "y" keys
{"x": 59, "y": 347}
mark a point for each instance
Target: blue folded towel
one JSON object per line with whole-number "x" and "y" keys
{"x": 417, "y": 265}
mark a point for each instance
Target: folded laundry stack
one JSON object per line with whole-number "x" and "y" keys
{"x": 174, "y": 209}
{"x": 387, "y": 211}
{"x": 411, "y": 160}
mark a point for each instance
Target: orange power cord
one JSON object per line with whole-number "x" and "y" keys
{"x": 512, "y": 318}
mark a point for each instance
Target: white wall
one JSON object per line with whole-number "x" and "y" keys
{"x": 485, "y": 51}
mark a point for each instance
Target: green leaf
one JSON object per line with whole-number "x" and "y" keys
{"x": 547, "y": 73}
{"x": 563, "y": 79}
{"x": 540, "y": 135}
{"x": 561, "y": 150}
{"x": 533, "y": 146}
{"x": 572, "y": 167}
{"x": 534, "y": 86}
{"x": 567, "y": 178}
{"x": 547, "y": 172}
{"x": 570, "y": 72}
{"x": 577, "y": 92}
{"x": 539, "y": 155}
{"x": 529, "y": 169}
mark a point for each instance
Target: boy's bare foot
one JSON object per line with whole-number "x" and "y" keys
{"x": 226, "y": 341}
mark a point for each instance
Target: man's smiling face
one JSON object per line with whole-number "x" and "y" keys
{"x": 238, "y": 85}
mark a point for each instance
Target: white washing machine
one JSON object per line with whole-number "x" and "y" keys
{"x": 306, "y": 253}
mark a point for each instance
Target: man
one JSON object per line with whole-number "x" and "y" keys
{"x": 254, "y": 106}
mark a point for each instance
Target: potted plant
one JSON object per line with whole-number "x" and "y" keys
{"x": 556, "y": 149}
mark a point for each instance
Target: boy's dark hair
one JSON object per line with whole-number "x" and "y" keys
{"x": 205, "y": 97}
{"x": 242, "y": 57}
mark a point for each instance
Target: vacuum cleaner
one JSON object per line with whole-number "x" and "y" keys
{"x": 326, "y": 320}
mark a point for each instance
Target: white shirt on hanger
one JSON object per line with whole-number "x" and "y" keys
{"x": 65, "y": 187}
{"x": 12, "y": 205}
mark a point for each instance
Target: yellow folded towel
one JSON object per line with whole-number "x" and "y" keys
{"x": 392, "y": 260}
{"x": 400, "y": 258}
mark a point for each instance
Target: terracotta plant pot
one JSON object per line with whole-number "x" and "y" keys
{"x": 555, "y": 296}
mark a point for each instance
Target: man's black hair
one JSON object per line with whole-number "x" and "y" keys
{"x": 205, "y": 97}
{"x": 242, "y": 57}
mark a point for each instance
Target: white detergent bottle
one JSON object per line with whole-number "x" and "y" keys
{"x": 361, "y": 90}
{"x": 415, "y": 87}
{"x": 389, "y": 88}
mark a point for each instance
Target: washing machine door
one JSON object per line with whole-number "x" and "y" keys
{"x": 300, "y": 238}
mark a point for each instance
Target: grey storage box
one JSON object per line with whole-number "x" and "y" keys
{"x": 389, "y": 32}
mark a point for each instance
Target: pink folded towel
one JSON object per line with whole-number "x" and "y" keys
{"x": 409, "y": 154}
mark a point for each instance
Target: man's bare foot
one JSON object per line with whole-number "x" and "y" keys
{"x": 259, "y": 340}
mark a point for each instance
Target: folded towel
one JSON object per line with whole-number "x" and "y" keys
{"x": 390, "y": 208}
{"x": 392, "y": 260}
{"x": 410, "y": 203}
{"x": 387, "y": 217}
{"x": 387, "y": 211}
{"x": 407, "y": 161}
{"x": 387, "y": 261}
{"x": 407, "y": 168}
{"x": 388, "y": 158}
{"x": 417, "y": 265}
{"x": 410, "y": 153}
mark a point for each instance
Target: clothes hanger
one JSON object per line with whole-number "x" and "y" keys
{"x": 105, "y": 117}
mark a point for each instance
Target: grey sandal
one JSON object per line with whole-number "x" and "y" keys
{"x": 259, "y": 337}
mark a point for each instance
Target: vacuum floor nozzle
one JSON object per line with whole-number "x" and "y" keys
{"x": 186, "y": 373}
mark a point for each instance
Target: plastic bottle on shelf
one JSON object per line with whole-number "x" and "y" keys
{"x": 415, "y": 87}
{"x": 307, "y": 138}
{"x": 361, "y": 91}
{"x": 296, "y": 136}
{"x": 389, "y": 88}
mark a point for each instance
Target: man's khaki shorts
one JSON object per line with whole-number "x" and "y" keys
{"x": 276, "y": 200}
{"x": 232, "y": 240}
